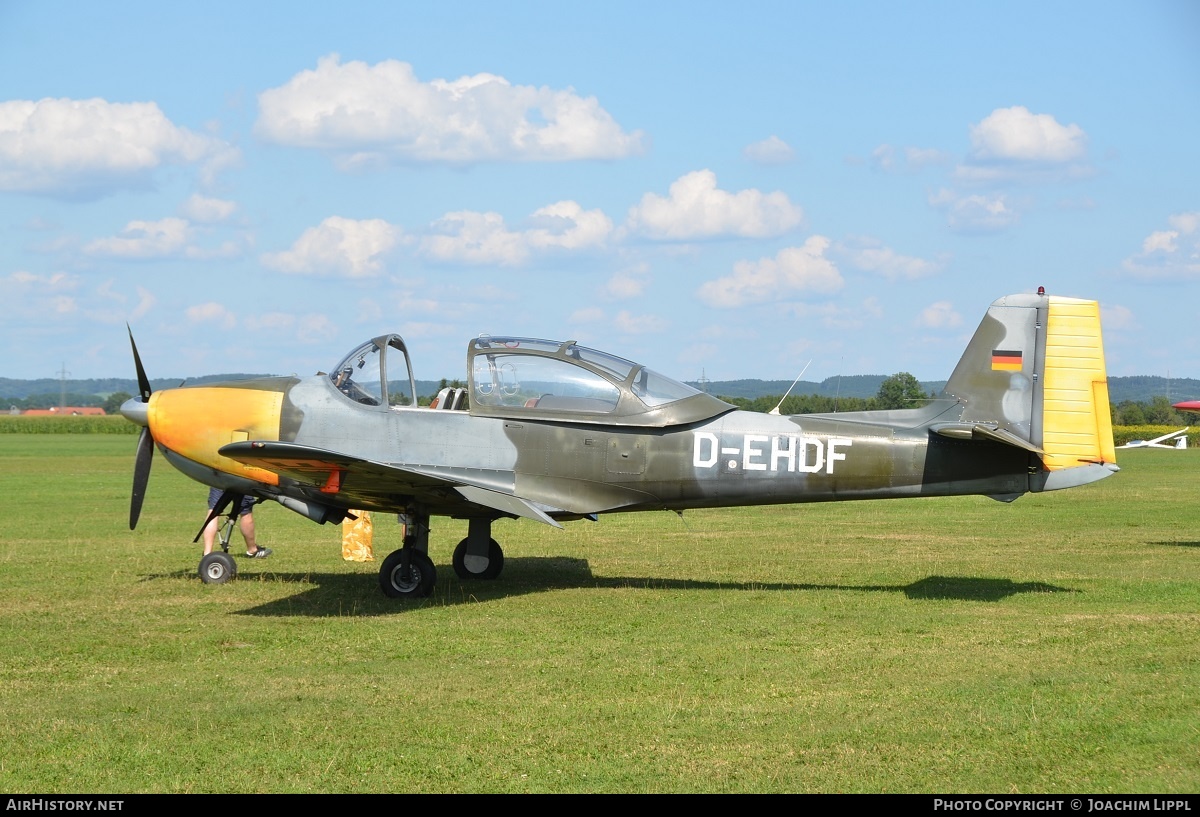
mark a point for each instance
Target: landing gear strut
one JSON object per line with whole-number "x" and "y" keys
{"x": 408, "y": 573}
{"x": 479, "y": 555}
{"x": 218, "y": 568}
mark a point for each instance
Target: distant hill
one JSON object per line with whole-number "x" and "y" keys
{"x": 102, "y": 388}
{"x": 1139, "y": 389}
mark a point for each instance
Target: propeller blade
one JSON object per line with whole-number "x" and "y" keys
{"x": 223, "y": 501}
{"x": 141, "y": 475}
{"x": 143, "y": 381}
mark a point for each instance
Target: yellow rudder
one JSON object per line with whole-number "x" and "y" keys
{"x": 1076, "y": 420}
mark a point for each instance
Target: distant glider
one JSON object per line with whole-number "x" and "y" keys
{"x": 552, "y": 431}
{"x": 1178, "y": 438}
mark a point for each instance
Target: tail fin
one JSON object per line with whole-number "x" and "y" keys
{"x": 1033, "y": 377}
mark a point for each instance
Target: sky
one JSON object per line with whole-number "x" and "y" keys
{"x": 715, "y": 190}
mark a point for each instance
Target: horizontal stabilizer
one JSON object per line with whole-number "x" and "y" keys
{"x": 981, "y": 431}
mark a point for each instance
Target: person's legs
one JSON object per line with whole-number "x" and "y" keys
{"x": 246, "y": 521}
{"x": 210, "y": 534}
{"x": 247, "y": 526}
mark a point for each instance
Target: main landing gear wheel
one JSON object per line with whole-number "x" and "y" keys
{"x": 412, "y": 583}
{"x": 478, "y": 567}
{"x": 217, "y": 568}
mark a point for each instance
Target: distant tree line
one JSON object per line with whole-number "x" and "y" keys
{"x": 1157, "y": 412}
{"x": 111, "y": 404}
{"x": 901, "y": 390}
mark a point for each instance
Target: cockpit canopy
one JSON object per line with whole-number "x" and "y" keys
{"x": 543, "y": 379}
{"x": 533, "y": 379}
{"x": 366, "y": 374}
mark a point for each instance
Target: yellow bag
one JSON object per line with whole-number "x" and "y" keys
{"x": 356, "y": 538}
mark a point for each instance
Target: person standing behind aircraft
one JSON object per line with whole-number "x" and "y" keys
{"x": 245, "y": 523}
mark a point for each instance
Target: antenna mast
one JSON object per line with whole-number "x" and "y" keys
{"x": 62, "y": 390}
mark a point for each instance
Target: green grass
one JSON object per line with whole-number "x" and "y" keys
{"x": 937, "y": 645}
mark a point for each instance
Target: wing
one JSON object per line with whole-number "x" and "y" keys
{"x": 360, "y": 483}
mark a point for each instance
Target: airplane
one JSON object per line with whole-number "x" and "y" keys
{"x": 553, "y": 432}
{"x": 1188, "y": 405}
{"x": 1179, "y": 437}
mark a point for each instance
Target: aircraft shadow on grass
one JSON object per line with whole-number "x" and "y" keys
{"x": 1178, "y": 544}
{"x": 341, "y": 594}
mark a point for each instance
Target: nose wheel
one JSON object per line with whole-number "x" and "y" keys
{"x": 217, "y": 568}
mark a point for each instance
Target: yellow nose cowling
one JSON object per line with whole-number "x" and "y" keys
{"x": 196, "y": 422}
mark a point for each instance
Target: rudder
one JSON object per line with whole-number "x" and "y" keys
{"x": 1033, "y": 376}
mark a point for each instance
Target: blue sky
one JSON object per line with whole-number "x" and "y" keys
{"x": 717, "y": 189}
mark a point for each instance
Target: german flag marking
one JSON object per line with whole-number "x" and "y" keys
{"x": 1006, "y": 360}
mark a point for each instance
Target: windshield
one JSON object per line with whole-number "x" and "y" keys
{"x": 655, "y": 389}
{"x": 363, "y": 375}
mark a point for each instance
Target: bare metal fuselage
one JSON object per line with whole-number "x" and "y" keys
{"x": 576, "y": 469}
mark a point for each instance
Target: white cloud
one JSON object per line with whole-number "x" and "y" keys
{"x": 339, "y": 247}
{"x": 370, "y": 114}
{"x": 88, "y": 148}
{"x": 567, "y": 225}
{"x": 884, "y": 158}
{"x": 628, "y": 283}
{"x": 792, "y": 270}
{"x": 940, "y": 315}
{"x": 1013, "y": 145}
{"x": 1118, "y": 318}
{"x": 975, "y": 213}
{"x": 309, "y": 329}
{"x": 870, "y": 255}
{"x": 1169, "y": 255}
{"x": 887, "y": 159}
{"x": 697, "y": 208}
{"x": 144, "y": 239}
{"x": 770, "y": 151}
{"x": 315, "y": 328}
{"x": 46, "y": 296}
{"x": 270, "y": 322}
{"x": 146, "y": 302}
{"x": 1015, "y": 134}
{"x": 631, "y": 324}
{"x": 213, "y": 314}
{"x": 41, "y": 281}
{"x": 469, "y": 237}
{"x": 589, "y": 314}
{"x": 918, "y": 158}
{"x": 205, "y": 210}
{"x": 166, "y": 238}
{"x": 429, "y": 329}
{"x": 1185, "y": 222}
{"x": 835, "y": 316}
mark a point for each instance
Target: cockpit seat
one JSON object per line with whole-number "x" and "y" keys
{"x": 449, "y": 398}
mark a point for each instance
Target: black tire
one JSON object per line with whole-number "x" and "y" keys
{"x": 482, "y": 570}
{"x": 419, "y": 581}
{"x": 217, "y": 568}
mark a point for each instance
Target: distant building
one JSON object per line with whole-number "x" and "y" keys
{"x": 65, "y": 411}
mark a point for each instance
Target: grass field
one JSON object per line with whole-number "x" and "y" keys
{"x": 938, "y": 645}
